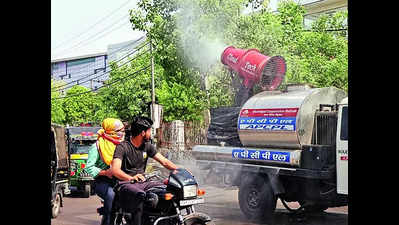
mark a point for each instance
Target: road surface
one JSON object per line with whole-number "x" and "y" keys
{"x": 220, "y": 203}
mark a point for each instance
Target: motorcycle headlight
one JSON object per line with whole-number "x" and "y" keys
{"x": 190, "y": 191}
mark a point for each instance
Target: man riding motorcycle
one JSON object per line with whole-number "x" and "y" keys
{"x": 129, "y": 164}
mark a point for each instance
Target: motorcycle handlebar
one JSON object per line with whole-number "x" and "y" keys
{"x": 146, "y": 176}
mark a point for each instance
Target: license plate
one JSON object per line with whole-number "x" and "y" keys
{"x": 191, "y": 201}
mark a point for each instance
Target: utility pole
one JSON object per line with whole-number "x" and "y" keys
{"x": 153, "y": 116}
{"x": 152, "y": 83}
{"x": 152, "y": 74}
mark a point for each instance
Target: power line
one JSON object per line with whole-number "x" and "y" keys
{"x": 92, "y": 26}
{"x": 107, "y": 71}
{"x": 58, "y": 88}
{"x": 135, "y": 50}
{"x": 127, "y": 45}
{"x": 111, "y": 83}
{"x": 103, "y": 35}
{"x": 328, "y": 30}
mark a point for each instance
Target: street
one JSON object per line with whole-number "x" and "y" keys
{"x": 220, "y": 203}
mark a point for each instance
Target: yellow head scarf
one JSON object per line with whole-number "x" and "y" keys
{"x": 108, "y": 138}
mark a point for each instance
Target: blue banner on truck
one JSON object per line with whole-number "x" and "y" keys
{"x": 278, "y": 119}
{"x": 271, "y": 155}
{"x": 265, "y": 123}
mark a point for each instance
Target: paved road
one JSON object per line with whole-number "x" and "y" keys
{"x": 221, "y": 204}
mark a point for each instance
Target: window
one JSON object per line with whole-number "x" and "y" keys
{"x": 80, "y": 61}
{"x": 55, "y": 66}
{"x": 344, "y": 123}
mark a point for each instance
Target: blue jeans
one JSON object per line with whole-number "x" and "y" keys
{"x": 106, "y": 192}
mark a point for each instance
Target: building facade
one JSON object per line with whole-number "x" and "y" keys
{"x": 316, "y": 8}
{"x": 92, "y": 70}
{"x": 87, "y": 70}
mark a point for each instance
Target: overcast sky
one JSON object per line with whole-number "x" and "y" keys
{"x": 89, "y": 26}
{"x": 86, "y": 27}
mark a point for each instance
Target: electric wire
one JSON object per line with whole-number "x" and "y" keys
{"x": 92, "y": 26}
{"x": 58, "y": 88}
{"x": 109, "y": 71}
{"x": 91, "y": 37}
{"x": 128, "y": 44}
{"x": 109, "y": 84}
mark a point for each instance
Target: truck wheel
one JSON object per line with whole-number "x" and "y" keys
{"x": 56, "y": 206}
{"x": 87, "y": 190}
{"x": 256, "y": 198}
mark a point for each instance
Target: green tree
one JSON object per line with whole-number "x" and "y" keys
{"x": 318, "y": 57}
{"x": 78, "y": 107}
{"x": 181, "y": 102}
{"x": 129, "y": 91}
{"x": 57, "y": 111}
{"x": 182, "y": 32}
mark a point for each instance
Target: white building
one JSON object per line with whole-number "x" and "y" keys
{"x": 86, "y": 70}
{"x": 316, "y": 8}
{"x": 92, "y": 70}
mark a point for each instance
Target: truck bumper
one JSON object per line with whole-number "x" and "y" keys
{"x": 283, "y": 171}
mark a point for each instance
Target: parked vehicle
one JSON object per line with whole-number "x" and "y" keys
{"x": 164, "y": 204}
{"x": 79, "y": 141}
{"x": 58, "y": 168}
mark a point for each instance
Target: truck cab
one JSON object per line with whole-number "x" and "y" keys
{"x": 342, "y": 148}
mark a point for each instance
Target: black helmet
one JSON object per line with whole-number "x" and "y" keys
{"x": 139, "y": 124}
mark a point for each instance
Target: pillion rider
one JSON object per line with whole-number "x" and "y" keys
{"x": 129, "y": 163}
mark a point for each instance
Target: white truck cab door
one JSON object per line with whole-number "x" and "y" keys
{"x": 342, "y": 149}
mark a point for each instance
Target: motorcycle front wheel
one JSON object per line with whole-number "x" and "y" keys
{"x": 197, "y": 219}
{"x": 56, "y": 206}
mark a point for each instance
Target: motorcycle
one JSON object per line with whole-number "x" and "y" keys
{"x": 165, "y": 204}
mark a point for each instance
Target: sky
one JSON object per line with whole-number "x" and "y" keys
{"x": 87, "y": 27}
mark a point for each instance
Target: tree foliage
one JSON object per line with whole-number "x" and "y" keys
{"x": 188, "y": 39}
{"x": 57, "y": 110}
{"x": 79, "y": 107}
{"x": 318, "y": 56}
{"x": 130, "y": 94}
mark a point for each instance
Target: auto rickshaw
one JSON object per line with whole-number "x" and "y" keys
{"x": 59, "y": 168}
{"x": 79, "y": 141}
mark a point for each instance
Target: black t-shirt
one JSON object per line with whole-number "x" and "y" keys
{"x": 134, "y": 160}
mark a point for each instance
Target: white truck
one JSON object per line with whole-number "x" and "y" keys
{"x": 293, "y": 146}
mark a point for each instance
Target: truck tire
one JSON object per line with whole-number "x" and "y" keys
{"x": 256, "y": 198}
{"x": 87, "y": 190}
